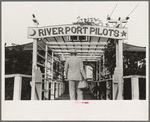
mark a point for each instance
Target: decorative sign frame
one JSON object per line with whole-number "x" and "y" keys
{"x": 85, "y": 30}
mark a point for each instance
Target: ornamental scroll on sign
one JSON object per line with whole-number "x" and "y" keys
{"x": 85, "y": 30}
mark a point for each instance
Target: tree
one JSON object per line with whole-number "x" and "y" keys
{"x": 18, "y": 61}
{"x": 133, "y": 62}
{"x": 110, "y": 55}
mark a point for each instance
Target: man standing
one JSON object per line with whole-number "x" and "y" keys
{"x": 74, "y": 73}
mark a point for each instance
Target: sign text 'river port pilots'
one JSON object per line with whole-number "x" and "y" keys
{"x": 65, "y": 30}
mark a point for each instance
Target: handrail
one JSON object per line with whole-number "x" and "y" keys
{"x": 102, "y": 80}
{"x": 40, "y": 55}
{"x": 41, "y": 47}
{"x": 135, "y": 76}
{"x": 41, "y": 64}
{"x": 49, "y": 55}
{"x": 13, "y": 75}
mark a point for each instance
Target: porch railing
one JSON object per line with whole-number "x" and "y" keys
{"x": 17, "y": 85}
{"x": 134, "y": 88}
{"x": 57, "y": 87}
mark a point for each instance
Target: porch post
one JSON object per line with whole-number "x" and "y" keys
{"x": 104, "y": 72}
{"x": 46, "y": 82}
{"x": 56, "y": 94}
{"x": 52, "y": 81}
{"x": 60, "y": 91}
{"x": 17, "y": 87}
{"x": 135, "y": 88}
{"x": 100, "y": 69}
{"x": 34, "y": 62}
{"x": 100, "y": 74}
{"x": 118, "y": 73}
{"x": 97, "y": 78}
{"x": 119, "y": 66}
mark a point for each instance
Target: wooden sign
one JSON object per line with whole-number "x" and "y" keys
{"x": 85, "y": 30}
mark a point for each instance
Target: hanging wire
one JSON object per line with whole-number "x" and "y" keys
{"x": 131, "y": 12}
{"x": 113, "y": 10}
{"x": 133, "y": 9}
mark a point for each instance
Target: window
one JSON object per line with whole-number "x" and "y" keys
{"x": 77, "y": 38}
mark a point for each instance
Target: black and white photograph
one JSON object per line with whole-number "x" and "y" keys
{"x": 77, "y": 60}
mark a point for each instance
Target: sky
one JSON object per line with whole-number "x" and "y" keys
{"x": 17, "y": 17}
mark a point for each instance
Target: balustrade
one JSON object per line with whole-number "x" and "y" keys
{"x": 17, "y": 84}
{"x": 56, "y": 90}
{"x": 134, "y": 88}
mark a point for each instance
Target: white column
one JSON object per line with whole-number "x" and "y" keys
{"x": 117, "y": 53}
{"x": 118, "y": 73}
{"x": 135, "y": 88}
{"x": 46, "y": 82}
{"x": 52, "y": 89}
{"x": 52, "y": 63}
{"x": 56, "y": 94}
{"x": 100, "y": 70}
{"x": 59, "y": 88}
{"x": 120, "y": 62}
{"x": 104, "y": 72}
{"x": 97, "y": 78}
{"x": 52, "y": 82}
{"x": 17, "y": 87}
{"x": 62, "y": 87}
{"x": 34, "y": 64}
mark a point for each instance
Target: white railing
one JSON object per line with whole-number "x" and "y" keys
{"x": 136, "y": 88}
{"x": 57, "y": 87}
{"x": 17, "y": 84}
{"x": 135, "y": 84}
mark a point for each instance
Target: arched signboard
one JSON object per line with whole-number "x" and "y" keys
{"x": 66, "y": 30}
